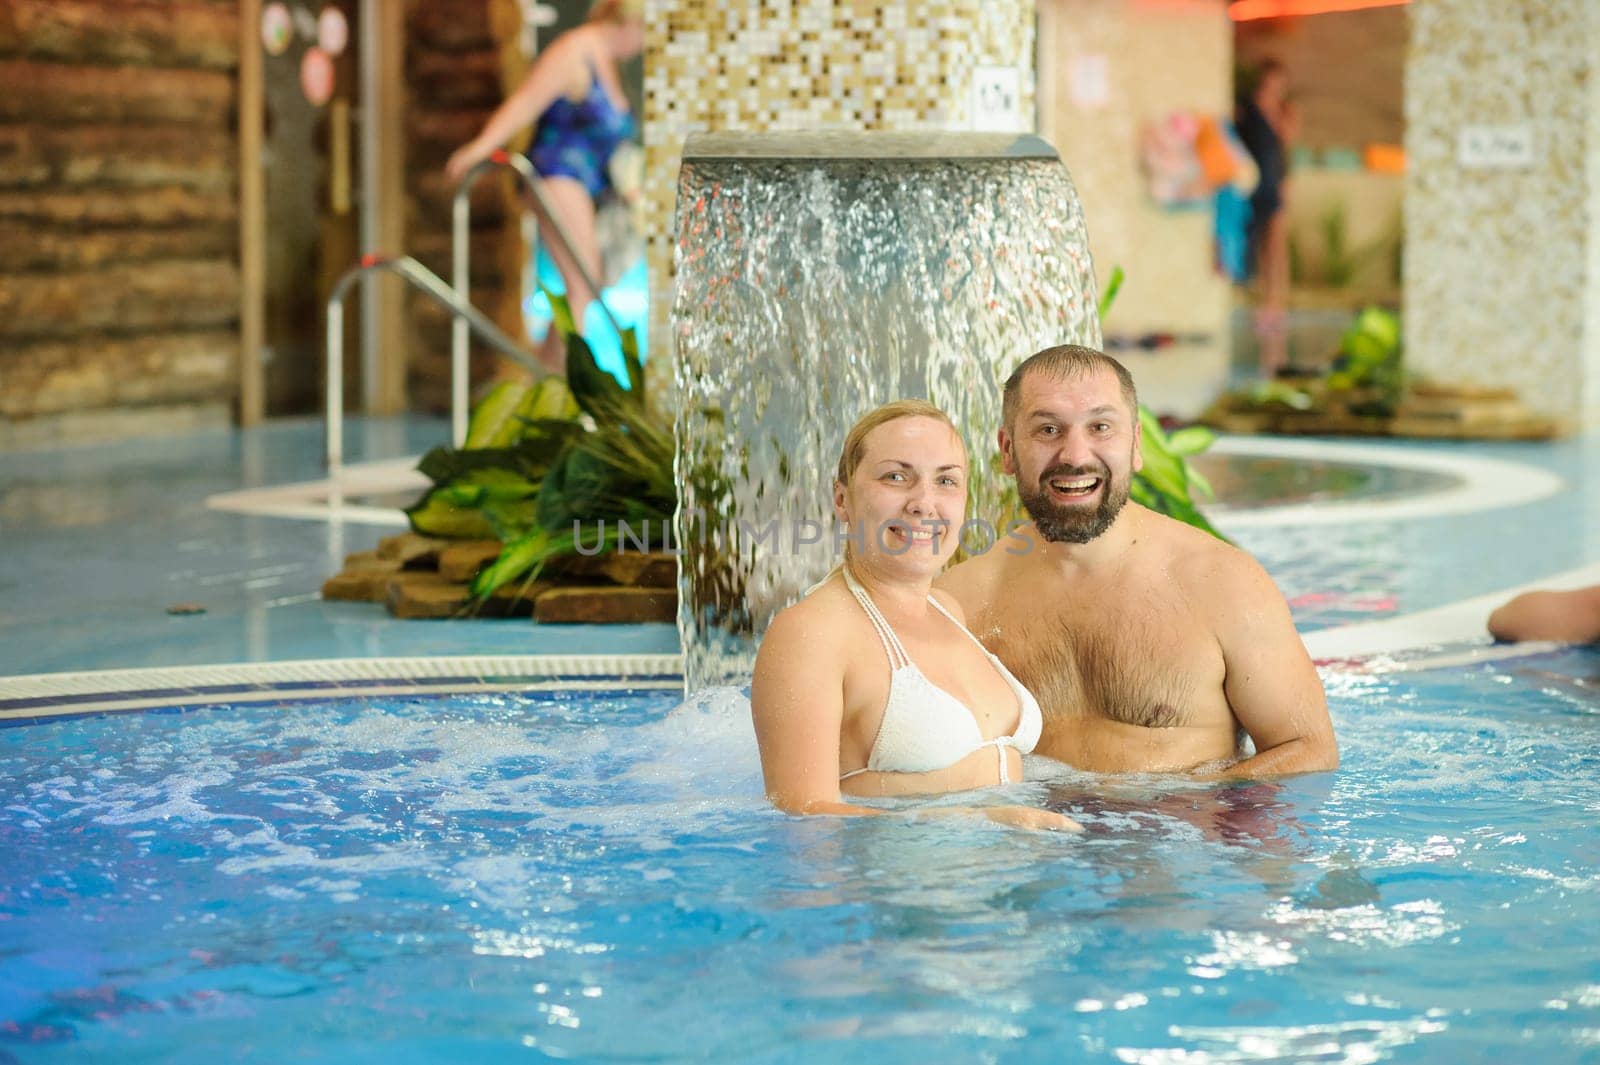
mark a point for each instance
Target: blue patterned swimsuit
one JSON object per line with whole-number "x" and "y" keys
{"x": 576, "y": 140}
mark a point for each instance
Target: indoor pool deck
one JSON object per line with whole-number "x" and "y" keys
{"x": 98, "y": 542}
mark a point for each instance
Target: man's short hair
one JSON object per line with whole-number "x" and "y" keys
{"x": 1064, "y": 361}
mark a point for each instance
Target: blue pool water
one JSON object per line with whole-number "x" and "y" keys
{"x": 595, "y": 877}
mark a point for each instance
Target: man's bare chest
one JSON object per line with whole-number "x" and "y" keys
{"x": 1143, "y": 661}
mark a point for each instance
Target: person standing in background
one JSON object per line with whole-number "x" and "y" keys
{"x": 574, "y": 95}
{"x": 1266, "y": 122}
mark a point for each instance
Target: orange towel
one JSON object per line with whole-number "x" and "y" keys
{"x": 1385, "y": 158}
{"x": 1211, "y": 148}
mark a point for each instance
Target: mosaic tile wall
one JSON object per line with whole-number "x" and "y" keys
{"x": 1499, "y": 286}
{"x": 781, "y": 65}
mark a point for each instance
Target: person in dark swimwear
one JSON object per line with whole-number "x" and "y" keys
{"x": 1265, "y": 123}
{"x": 574, "y": 95}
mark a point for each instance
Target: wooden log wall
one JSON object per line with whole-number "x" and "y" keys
{"x": 461, "y": 60}
{"x": 119, "y": 283}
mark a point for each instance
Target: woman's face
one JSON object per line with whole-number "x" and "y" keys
{"x": 905, "y": 502}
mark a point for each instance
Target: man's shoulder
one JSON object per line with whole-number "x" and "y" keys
{"x": 1208, "y": 564}
{"x": 974, "y": 581}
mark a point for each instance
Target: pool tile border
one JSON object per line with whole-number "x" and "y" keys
{"x": 37, "y": 697}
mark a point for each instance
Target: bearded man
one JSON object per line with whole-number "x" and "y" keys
{"x": 1150, "y": 645}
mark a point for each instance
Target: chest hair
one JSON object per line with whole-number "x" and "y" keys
{"x": 1116, "y": 666}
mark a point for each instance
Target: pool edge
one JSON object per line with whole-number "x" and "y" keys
{"x": 45, "y": 695}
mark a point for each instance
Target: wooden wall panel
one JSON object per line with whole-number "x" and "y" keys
{"x": 32, "y": 91}
{"x": 459, "y": 58}
{"x": 109, "y": 32}
{"x": 118, "y": 205}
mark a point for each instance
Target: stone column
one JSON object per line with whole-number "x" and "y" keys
{"x": 1502, "y": 246}
{"x": 814, "y": 65}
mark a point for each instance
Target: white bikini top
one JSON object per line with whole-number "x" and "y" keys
{"x": 925, "y": 727}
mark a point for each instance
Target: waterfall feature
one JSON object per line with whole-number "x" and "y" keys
{"x": 818, "y": 276}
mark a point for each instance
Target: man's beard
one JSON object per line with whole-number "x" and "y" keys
{"x": 1062, "y": 523}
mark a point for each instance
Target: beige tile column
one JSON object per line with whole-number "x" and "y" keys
{"x": 1108, "y": 69}
{"x": 1502, "y": 206}
{"x": 810, "y": 65}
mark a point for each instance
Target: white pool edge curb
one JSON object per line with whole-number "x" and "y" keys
{"x": 1486, "y": 484}
{"x": 98, "y": 691}
{"x": 1464, "y": 621}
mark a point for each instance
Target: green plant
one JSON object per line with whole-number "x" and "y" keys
{"x": 1167, "y": 482}
{"x": 553, "y": 465}
{"x": 1367, "y": 377}
{"x": 1371, "y": 356}
{"x": 1341, "y": 263}
{"x": 487, "y": 486}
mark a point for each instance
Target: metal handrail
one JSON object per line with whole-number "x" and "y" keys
{"x": 460, "y": 224}
{"x": 407, "y": 269}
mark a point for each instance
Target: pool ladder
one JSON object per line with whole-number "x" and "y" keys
{"x": 466, "y": 319}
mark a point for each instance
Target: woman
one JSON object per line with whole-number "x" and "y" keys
{"x": 576, "y": 95}
{"x": 872, "y": 685}
{"x": 1267, "y": 122}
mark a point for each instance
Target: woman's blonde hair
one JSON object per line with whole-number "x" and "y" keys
{"x": 855, "y": 441}
{"x": 616, "y": 11}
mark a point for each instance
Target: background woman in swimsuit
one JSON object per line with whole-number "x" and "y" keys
{"x": 871, "y": 685}
{"x": 574, "y": 92}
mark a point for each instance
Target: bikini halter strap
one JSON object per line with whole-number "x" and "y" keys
{"x": 898, "y": 659}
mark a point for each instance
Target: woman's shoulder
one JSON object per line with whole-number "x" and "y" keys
{"x": 573, "y": 47}
{"x": 823, "y": 613}
{"x": 586, "y": 39}
{"x": 825, "y": 602}
{"x": 811, "y": 633}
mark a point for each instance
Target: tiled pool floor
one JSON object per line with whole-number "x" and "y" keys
{"x": 97, "y": 542}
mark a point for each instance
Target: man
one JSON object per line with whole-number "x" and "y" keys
{"x": 1150, "y": 645}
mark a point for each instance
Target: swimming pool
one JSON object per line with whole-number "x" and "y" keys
{"x": 594, "y": 876}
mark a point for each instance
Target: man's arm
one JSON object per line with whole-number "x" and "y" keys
{"x": 1270, "y": 684}
{"x": 1568, "y": 617}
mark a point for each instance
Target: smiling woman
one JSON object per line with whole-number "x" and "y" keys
{"x": 945, "y": 715}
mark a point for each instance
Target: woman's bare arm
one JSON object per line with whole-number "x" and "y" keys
{"x": 797, "y": 705}
{"x": 552, "y": 75}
